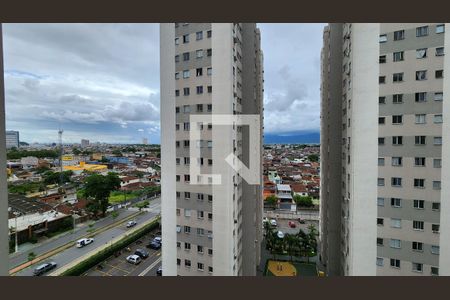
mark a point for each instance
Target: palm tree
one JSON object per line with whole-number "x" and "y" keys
{"x": 303, "y": 243}
{"x": 312, "y": 240}
{"x": 290, "y": 241}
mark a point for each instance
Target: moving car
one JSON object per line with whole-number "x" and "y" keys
{"x": 131, "y": 224}
{"x": 273, "y": 222}
{"x": 154, "y": 245}
{"x": 141, "y": 253}
{"x": 292, "y": 224}
{"x": 43, "y": 268}
{"x": 134, "y": 259}
{"x": 159, "y": 271}
{"x": 84, "y": 242}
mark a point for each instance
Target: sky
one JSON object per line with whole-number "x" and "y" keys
{"x": 101, "y": 81}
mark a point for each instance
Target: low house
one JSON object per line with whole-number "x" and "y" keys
{"x": 284, "y": 195}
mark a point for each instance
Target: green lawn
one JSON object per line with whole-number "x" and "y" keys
{"x": 118, "y": 197}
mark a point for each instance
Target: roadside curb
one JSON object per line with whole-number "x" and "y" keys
{"x": 69, "y": 244}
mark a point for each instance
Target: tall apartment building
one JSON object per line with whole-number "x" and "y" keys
{"x": 411, "y": 166}
{"x": 4, "y": 235}
{"x": 12, "y": 139}
{"x": 84, "y": 143}
{"x": 209, "y": 69}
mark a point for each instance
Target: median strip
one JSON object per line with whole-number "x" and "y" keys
{"x": 69, "y": 244}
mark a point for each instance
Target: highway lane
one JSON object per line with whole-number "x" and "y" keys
{"x": 101, "y": 239}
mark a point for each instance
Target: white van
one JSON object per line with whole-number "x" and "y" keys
{"x": 84, "y": 242}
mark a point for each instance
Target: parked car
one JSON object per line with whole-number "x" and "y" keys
{"x": 158, "y": 239}
{"x": 154, "y": 245}
{"x": 131, "y": 224}
{"x": 292, "y": 224}
{"x": 159, "y": 271}
{"x": 134, "y": 259}
{"x": 84, "y": 242}
{"x": 141, "y": 253}
{"x": 273, "y": 222}
{"x": 43, "y": 268}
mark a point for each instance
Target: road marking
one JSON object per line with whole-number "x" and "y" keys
{"x": 150, "y": 267}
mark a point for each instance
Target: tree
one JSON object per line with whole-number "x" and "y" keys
{"x": 97, "y": 189}
{"x": 312, "y": 240}
{"x": 76, "y": 151}
{"x": 51, "y": 177}
{"x": 313, "y": 158}
{"x": 303, "y": 201}
{"x": 117, "y": 152}
{"x": 290, "y": 241}
{"x": 272, "y": 200}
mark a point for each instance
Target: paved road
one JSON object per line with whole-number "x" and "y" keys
{"x": 103, "y": 238}
{"x": 19, "y": 258}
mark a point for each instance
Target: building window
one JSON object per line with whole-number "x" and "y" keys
{"x": 186, "y": 91}
{"x": 395, "y": 263}
{"x": 418, "y": 225}
{"x": 199, "y": 53}
{"x": 399, "y": 35}
{"x": 435, "y": 228}
{"x": 209, "y": 107}
{"x": 178, "y": 213}
{"x": 437, "y": 140}
{"x": 435, "y": 271}
{"x": 185, "y": 56}
{"x": 178, "y": 194}
{"x": 419, "y": 161}
{"x": 177, "y": 41}
{"x": 186, "y": 143}
{"x": 178, "y": 261}
{"x": 437, "y": 119}
{"x": 421, "y": 75}
{"x": 177, "y": 58}
{"x": 436, "y": 206}
{"x": 436, "y": 185}
{"x": 438, "y": 96}
{"x": 177, "y": 177}
{"x": 210, "y": 251}
{"x": 397, "y": 119}
{"x": 421, "y": 31}
{"x": 380, "y": 221}
{"x": 417, "y": 246}
{"x": 396, "y": 161}
{"x": 209, "y": 89}
{"x": 419, "y": 204}
{"x": 209, "y": 52}
{"x": 417, "y": 267}
{"x": 187, "y": 229}
{"x": 393, "y": 243}
{"x": 210, "y": 216}
{"x": 199, "y": 72}
{"x": 209, "y": 71}
{"x": 420, "y": 119}
{"x": 398, "y": 56}
{"x": 435, "y": 249}
{"x": 421, "y": 53}
{"x": 379, "y": 242}
{"x": 396, "y": 223}
{"x": 380, "y": 181}
{"x": 440, "y": 28}
{"x": 381, "y": 140}
{"x": 396, "y": 181}
{"x": 383, "y": 38}
{"x": 177, "y": 126}
{"x": 381, "y": 161}
{"x": 421, "y": 97}
{"x": 381, "y": 100}
{"x": 397, "y": 140}
{"x": 439, "y": 51}
{"x": 379, "y": 261}
{"x": 185, "y": 38}
{"x": 437, "y": 163}
{"x": 397, "y": 98}
{"x": 199, "y": 35}
{"x": 200, "y": 266}
{"x": 200, "y": 89}
{"x": 382, "y": 79}
{"x": 187, "y": 213}
{"x": 210, "y": 269}
{"x": 396, "y": 202}
{"x": 177, "y": 144}
{"x": 187, "y": 160}
{"x": 420, "y": 139}
{"x": 177, "y": 75}
{"x": 380, "y": 201}
{"x": 439, "y": 74}
{"x": 381, "y": 120}
{"x": 419, "y": 183}
{"x": 200, "y": 231}
{"x": 187, "y": 178}
{"x": 187, "y": 263}
{"x": 209, "y": 33}
{"x": 186, "y": 74}
{"x": 382, "y": 59}
{"x": 187, "y": 195}
{"x": 186, "y": 109}
{"x": 177, "y": 93}
{"x": 397, "y": 77}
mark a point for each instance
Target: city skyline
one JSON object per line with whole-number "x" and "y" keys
{"x": 100, "y": 87}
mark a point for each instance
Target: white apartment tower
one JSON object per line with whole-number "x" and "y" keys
{"x": 209, "y": 69}
{"x": 392, "y": 206}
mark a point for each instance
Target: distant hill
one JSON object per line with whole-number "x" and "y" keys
{"x": 292, "y": 138}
